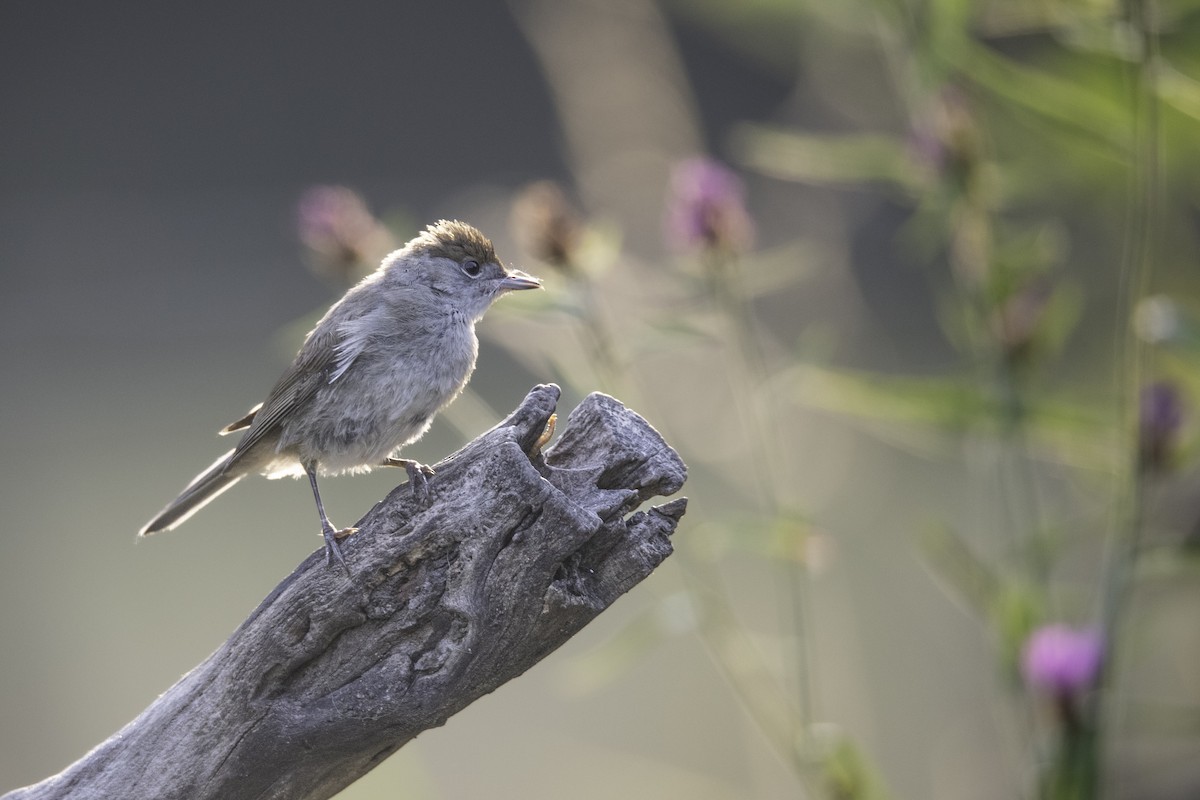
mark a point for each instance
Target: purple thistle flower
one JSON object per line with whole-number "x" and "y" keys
{"x": 1061, "y": 660}
{"x": 326, "y": 213}
{"x": 707, "y": 207}
{"x": 1160, "y": 415}
{"x": 339, "y": 230}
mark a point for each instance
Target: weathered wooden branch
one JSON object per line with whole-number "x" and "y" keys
{"x": 508, "y": 556}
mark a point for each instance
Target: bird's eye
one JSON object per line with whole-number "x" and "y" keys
{"x": 472, "y": 268}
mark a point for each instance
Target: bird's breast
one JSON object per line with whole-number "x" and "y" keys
{"x": 387, "y": 398}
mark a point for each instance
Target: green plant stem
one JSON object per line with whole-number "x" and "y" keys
{"x": 1138, "y": 260}
{"x": 970, "y": 237}
{"x": 720, "y": 269}
{"x": 719, "y": 625}
{"x": 727, "y": 645}
{"x": 598, "y": 340}
{"x": 1023, "y": 505}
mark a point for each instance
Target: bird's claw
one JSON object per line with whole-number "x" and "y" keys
{"x": 418, "y": 477}
{"x": 418, "y": 474}
{"x": 333, "y": 550}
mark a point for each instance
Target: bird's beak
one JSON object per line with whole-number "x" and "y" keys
{"x": 515, "y": 279}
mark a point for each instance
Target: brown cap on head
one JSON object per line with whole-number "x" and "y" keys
{"x": 456, "y": 241}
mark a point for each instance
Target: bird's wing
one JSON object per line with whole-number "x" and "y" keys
{"x": 241, "y": 424}
{"x": 296, "y": 387}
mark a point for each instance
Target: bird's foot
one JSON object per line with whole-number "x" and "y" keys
{"x": 418, "y": 474}
{"x": 333, "y": 550}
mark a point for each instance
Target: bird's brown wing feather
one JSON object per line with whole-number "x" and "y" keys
{"x": 295, "y": 387}
{"x": 241, "y": 424}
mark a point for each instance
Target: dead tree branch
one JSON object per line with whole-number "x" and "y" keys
{"x": 455, "y": 593}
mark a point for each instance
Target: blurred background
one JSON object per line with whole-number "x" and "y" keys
{"x": 910, "y": 284}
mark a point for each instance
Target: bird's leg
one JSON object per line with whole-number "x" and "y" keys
{"x": 332, "y": 549}
{"x": 418, "y": 473}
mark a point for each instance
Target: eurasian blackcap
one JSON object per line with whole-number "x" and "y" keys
{"x": 369, "y": 378}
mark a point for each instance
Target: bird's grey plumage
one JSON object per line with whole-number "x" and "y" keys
{"x": 369, "y": 378}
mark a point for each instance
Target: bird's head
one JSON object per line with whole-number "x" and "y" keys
{"x": 457, "y": 266}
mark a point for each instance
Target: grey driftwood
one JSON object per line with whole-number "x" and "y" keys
{"x": 508, "y": 555}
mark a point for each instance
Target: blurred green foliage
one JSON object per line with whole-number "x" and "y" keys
{"x": 1042, "y": 151}
{"x": 1041, "y": 154}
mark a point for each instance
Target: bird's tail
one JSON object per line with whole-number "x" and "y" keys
{"x": 197, "y": 494}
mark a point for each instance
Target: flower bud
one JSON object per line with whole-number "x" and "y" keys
{"x": 707, "y": 208}
{"x": 545, "y": 225}
{"x": 1160, "y": 416}
{"x": 1017, "y": 322}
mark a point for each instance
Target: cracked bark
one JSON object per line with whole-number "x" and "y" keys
{"x": 510, "y": 554}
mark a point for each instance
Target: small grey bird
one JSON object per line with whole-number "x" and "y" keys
{"x": 369, "y": 378}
